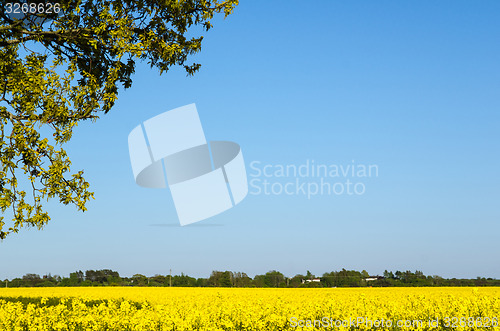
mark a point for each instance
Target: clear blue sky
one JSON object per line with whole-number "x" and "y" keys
{"x": 412, "y": 87}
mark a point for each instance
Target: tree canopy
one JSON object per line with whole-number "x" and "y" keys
{"x": 342, "y": 278}
{"x": 58, "y": 69}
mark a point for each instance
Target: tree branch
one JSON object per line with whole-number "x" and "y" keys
{"x": 31, "y": 35}
{"x": 10, "y": 27}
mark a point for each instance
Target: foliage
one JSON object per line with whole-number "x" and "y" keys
{"x": 59, "y": 70}
{"x": 342, "y": 278}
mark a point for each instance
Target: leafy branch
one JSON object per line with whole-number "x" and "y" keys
{"x": 90, "y": 50}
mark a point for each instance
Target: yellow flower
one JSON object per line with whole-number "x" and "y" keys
{"x": 116, "y": 308}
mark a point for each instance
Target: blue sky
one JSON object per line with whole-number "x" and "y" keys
{"x": 411, "y": 87}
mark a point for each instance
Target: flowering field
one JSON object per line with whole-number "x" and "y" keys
{"x": 151, "y": 308}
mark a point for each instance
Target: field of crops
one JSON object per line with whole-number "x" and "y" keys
{"x": 147, "y": 308}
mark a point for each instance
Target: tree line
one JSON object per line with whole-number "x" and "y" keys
{"x": 342, "y": 278}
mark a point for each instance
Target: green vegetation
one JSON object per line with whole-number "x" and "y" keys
{"x": 342, "y": 278}
{"x": 57, "y": 70}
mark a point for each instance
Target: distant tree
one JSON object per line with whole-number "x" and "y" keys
{"x": 90, "y": 275}
{"x": 86, "y": 282}
{"x": 79, "y": 276}
{"x": 75, "y": 279}
{"x": 102, "y": 276}
{"x": 226, "y": 279}
{"x": 241, "y": 279}
{"x": 274, "y": 279}
{"x": 214, "y": 279}
{"x": 221, "y": 279}
{"x": 139, "y": 280}
{"x": 437, "y": 280}
{"x": 202, "y": 282}
{"x": 342, "y": 278}
{"x": 158, "y": 280}
{"x": 183, "y": 280}
{"x": 31, "y": 280}
{"x": 16, "y": 282}
{"x": 296, "y": 281}
{"x": 260, "y": 281}
{"x": 109, "y": 276}
{"x": 351, "y": 278}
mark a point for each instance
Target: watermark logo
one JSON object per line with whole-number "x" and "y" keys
{"x": 31, "y": 11}
{"x": 205, "y": 179}
{"x": 310, "y": 179}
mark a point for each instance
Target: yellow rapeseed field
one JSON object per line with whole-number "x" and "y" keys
{"x": 147, "y": 308}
